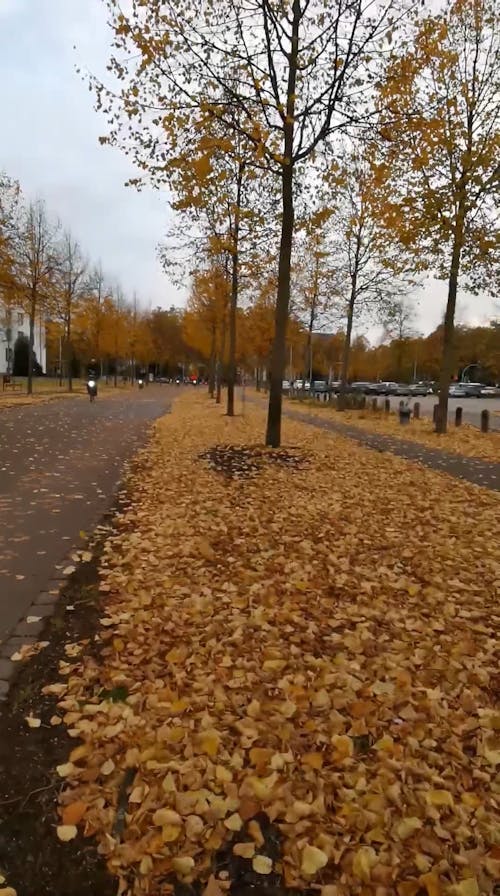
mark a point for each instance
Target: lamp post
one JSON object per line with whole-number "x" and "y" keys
{"x": 464, "y": 371}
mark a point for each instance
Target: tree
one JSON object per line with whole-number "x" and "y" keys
{"x": 35, "y": 267}
{"x": 399, "y": 327}
{"x": 292, "y": 71}
{"x": 369, "y": 265}
{"x": 314, "y": 288}
{"x": 97, "y": 291}
{"x": 71, "y": 273}
{"x": 205, "y": 320}
{"x": 9, "y": 200}
{"x": 440, "y": 130}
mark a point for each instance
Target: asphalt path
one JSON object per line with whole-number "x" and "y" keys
{"x": 60, "y": 465}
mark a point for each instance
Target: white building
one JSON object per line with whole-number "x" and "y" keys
{"x": 14, "y": 323}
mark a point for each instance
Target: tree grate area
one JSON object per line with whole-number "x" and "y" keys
{"x": 247, "y": 461}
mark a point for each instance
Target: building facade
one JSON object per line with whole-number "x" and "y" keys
{"x": 14, "y": 323}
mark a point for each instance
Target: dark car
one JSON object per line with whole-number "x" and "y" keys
{"x": 472, "y": 390}
{"x": 419, "y": 389}
{"x": 360, "y": 387}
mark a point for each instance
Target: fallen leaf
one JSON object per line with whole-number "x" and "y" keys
{"x": 73, "y": 813}
{"x": 66, "y": 832}
{"x": 262, "y": 864}
{"x": 313, "y": 859}
{"x": 32, "y": 722}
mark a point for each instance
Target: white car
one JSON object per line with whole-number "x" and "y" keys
{"x": 457, "y": 391}
{"x": 490, "y": 392}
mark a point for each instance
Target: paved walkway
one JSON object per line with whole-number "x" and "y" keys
{"x": 60, "y": 464}
{"x": 480, "y": 472}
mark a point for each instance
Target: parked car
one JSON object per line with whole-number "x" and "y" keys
{"x": 490, "y": 392}
{"x": 419, "y": 389}
{"x": 472, "y": 390}
{"x": 320, "y": 386}
{"x": 387, "y": 388}
{"x": 360, "y": 387}
{"x": 401, "y": 389}
{"x": 285, "y": 385}
{"x": 457, "y": 391}
{"x": 299, "y": 384}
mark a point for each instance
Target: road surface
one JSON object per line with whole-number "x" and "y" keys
{"x": 60, "y": 464}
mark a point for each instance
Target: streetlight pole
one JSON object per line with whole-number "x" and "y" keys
{"x": 464, "y": 371}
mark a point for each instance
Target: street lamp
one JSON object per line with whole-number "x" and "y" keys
{"x": 464, "y": 371}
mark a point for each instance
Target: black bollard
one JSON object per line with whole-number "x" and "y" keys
{"x": 416, "y": 410}
{"x": 387, "y": 406}
{"x": 435, "y": 413}
{"x": 374, "y": 404}
{"x": 485, "y": 421}
{"x": 458, "y": 416}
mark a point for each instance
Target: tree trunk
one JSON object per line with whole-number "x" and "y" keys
{"x": 69, "y": 353}
{"x": 447, "y": 362}
{"x": 211, "y": 375}
{"x": 218, "y": 378}
{"x": 347, "y": 344}
{"x": 233, "y": 307}
{"x": 220, "y": 361}
{"x": 278, "y": 354}
{"x": 32, "y": 346}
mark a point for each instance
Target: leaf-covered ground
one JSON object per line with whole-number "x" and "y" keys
{"x": 465, "y": 440}
{"x": 316, "y": 640}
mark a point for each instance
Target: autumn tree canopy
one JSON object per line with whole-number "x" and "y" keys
{"x": 440, "y": 151}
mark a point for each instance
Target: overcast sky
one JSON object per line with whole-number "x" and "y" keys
{"x": 49, "y": 141}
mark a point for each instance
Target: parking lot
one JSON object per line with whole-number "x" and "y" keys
{"x": 472, "y": 408}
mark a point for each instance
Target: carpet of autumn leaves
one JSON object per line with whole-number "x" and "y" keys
{"x": 317, "y": 642}
{"x": 466, "y": 440}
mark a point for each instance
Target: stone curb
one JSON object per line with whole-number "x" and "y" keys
{"x": 27, "y": 633}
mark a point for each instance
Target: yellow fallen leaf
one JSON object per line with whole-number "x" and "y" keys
{"x": 170, "y": 833}
{"x": 8, "y": 891}
{"x": 467, "y": 887}
{"x": 407, "y": 827}
{"x": 273, "y": 665}
{"x": 183, "y": 865}
{"x": 107, "y": 767}
{"x": 439, "y": 798}
{"x": 79, "y": 753}
{"x": 471, "y": 799}
{"x": 364, "y": 860}
{"x": 312, "y": 860}
{"x": 207, "y": 742}
{"x": 66, "y": 832}
{"x": 491, "y": 754}
{"x": 343, "y": 747}
{"x": 244, "y": 850}
{"x": 166, "y": 816}
{"x": 67, "y": 768}
{"x": 233, "y": 823}
{"x": 255, "y": 832}
{"x": 313, "y": 760}
{"x": 431, "y": 883}
{"x": 32, "y": 722}
{"x": 262, "y": 864}
{"x": 193, "y": 826}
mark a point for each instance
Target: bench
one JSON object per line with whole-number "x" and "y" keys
{"x": 9, "y": 383}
